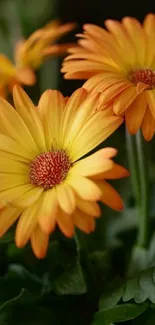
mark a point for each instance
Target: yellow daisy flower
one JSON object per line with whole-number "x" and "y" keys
{"x": 120, "y": 63}
{"x": 30, "y": 54}
{"x": 43, "y": 180}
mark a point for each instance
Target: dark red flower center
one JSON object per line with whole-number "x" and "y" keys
{"x": 147, "y": 76}
{"x": 49, "y": 168}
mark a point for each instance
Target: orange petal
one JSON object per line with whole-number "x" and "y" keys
{"x": 26, "y": 225}
{"x": 110, "y": 93}
{"x": 39, "y": 242}
{"x": 148, "y": 125}
{"x": 84, "y": 221}
{"x": 90, "y": 208}
{"x": 150, "y": 95}
{"x": 123, "y": 101}
{"x": 135, "y": 113}
{"x": 116, "y": 172}
{"x": 48, "y": 211}
{"x": 65, "y": 223}
{"x": 110, "y": 196}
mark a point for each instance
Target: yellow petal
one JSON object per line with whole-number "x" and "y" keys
{"x": 84, "y": 187}
{"x": 94, "y": 164}
{"x": 84, "y": 221}
{"x": 124, "y": 100}
{"x": 26, "y": 225}
{"x": 137, "y": 36}
{"x": 148, "y": 125}
{"x": 110, "y": 196}
{"x": 48, "y": 211}
{"x": 39, "y": 242}
{"x": 85, "y": 111}
{"x": 71, "y": 110}
{"x": 11, "y": 194}
{"x": 28, "y": 198}
{"x": 11, "y": 146}
{"x": 13, "y": 166}
{"x": 7, "y": 217}
{"x": 109, "y": 152}
{"x": 15, "y": 127}
{"x": 135, "y": 113}
{"x": 65, "y": 223}
{"x": 66, "y": 198}
{"x": 30, "y": 116}
{"x": 91, "y": 208}
{"x": 51, "y": 107}
{"x": 12, "y": 180}
{"x": 95, "y": 131}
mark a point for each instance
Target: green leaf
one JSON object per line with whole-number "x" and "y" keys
{"x": 141, "y": 287}
{"x": 111, "y": 299}
{"x": 119, "y": 313}
{"x": 71, "y": 281}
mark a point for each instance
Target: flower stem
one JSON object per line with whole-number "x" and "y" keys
{"x": 133, "y": 166}
{"x": 139, "y": 178}
{"x": 143, "y": 232}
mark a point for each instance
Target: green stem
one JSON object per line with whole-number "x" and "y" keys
{"x": 139, "y": 178}
{"x": 143, "y": 232}
{"x": 133, "y": 166}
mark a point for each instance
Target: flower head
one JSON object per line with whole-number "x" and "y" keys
{"x": 43, "y": 180}
{"x": 30, "y": 54}
{"x": 120, "y": 63}
{"x": 42, "y": 44}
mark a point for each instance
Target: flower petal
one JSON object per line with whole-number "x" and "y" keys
{"x": 91, "y": 208}
{"x": 48, "y": 211}
{"x": 65, "y": 223}
{"x": 11, "y": 146}
{"x": 66, "y": 198}
{"x": 135, "y": 113}
{"x": 12, "y": 180}
{"x": 95, "y": 131}
{"x": 110, "y": 196}
{"x": 94, "y": 164}
{"x": 71, "y": 109}
{"x": 39, "y": 242}
{"x": 7, "y": 217}
{"x": 84, "y": 187}
{"x": 148, "y": 125}
{"x": 123, "y": 101}
{"x": 150, "y": 95}
{"x": 51, "y": 107}
{"x": 84, "y": 221}
{"x": 26, "y": 225}
{"x": 15, "y": 127}
{"x": 30, "y": 116}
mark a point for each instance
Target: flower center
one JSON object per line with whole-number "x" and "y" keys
{"x": 49, "y": 168}
{"x": 147, "y": 76}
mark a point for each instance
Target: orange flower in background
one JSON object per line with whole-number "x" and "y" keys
{"x": 43, "y": 180}
{"x": 120, "y": 63}
{"x": 30, "y": 54}
{"x": 10, "y": 75}
{"x": 41, "y": 44}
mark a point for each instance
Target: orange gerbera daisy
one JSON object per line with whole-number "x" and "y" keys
{"x": 121, "y": 64}
{"x": 42, "y": 181}
{"x": 30, "y": 54}
{"x": 41, "y": 44}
